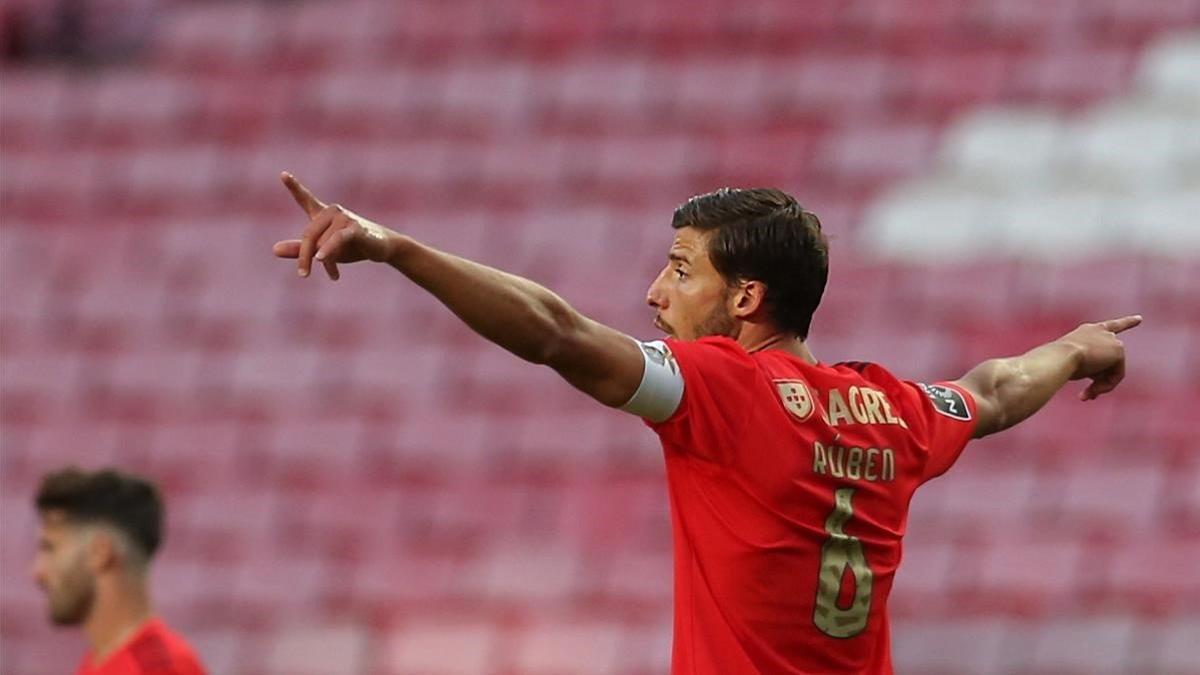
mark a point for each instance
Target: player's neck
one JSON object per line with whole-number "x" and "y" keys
{"x": 755, "y": 341}
{"x": 121, "y": 608}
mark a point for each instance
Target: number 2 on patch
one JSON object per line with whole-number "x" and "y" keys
{"x": 839, "y": 552}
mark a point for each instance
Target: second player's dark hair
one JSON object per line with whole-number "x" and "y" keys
{"x": 763, "y": 234}
{"x": 130, "y": 503}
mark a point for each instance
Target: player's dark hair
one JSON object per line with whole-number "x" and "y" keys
{"x": 763, "y": 234}
{"x": 130, "y": 503}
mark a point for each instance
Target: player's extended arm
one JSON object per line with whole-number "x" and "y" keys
{"x": 519, "y": 315}
{"x": 1009, "y": 390}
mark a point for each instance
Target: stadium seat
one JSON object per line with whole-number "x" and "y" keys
{"x": 983, "y": 645}
{"x": 990, "y": 174}
{"x": 205, "y": 531}
{"x": 530, "y": 575}
{"x": 1030, "y": 576}
{"x": 1176, "y": 651}
{"x": 199, "y": 39}
{"x": 1088, "y": 497}
{"x": 407, "y": 580}
{"x": 1067, "y": 225}
{"x": 976, "y": 501}
{"x": 1081, "y": 645}
{"x": 32, "y": 111}
{"x": 932, "y": 575}
{"x": 1162, "y": 583}
{"x": 219, "y": 650}
{"x": 641, "y": 579}
{"x": 647, "y": 646}
{"x": 207, "y": 602}
{"x": 564, "y": 646}
{"x": 1077, "y": 74}
{"x": 452, "y": 646}
{"x": 128, "y": 109}
{"x": 267, "y": 590}
{"x": 309, "y": 23}
{"x": 317, "y": 650}
{"x": 1008, "y": 146}
{"x": 1159, "y": 219}
{"x": 900, "y": 224}
{"x": 1189, "y": 497}
{"x": 49, "y": 653}
{"x": 1168, "y": 72}
{"x": 877, "y": 150}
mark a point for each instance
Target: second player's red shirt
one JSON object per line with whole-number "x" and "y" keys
{"x": 154, "y": 650}
{"x": 789, "y": 487}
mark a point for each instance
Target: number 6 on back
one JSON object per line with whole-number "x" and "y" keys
{"x": 839, "y": 552}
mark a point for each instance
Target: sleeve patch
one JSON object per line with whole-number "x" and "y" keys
{"x": 661, "y": 390}
{"x": 947, "y": 401}
{"x": 660, "y": 354}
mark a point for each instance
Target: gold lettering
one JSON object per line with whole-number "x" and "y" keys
{"x": 837, "y": 461}
{"x": 837, "y": 409}
{"x": 839, "y": 552}
{"x": 854, "y": 463}
{"x": 887, "y": 409}
{"x": 869, "y": 471}
{"x": 856, "y": 406}
{"x": 871, "y": 400}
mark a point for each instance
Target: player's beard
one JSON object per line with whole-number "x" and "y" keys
{"x": 718, "y": 323}
{"x": 71, "y": 600}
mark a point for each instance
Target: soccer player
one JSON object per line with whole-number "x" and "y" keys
{"x": 99, "y": 531}
{"x": 789, "y": 478}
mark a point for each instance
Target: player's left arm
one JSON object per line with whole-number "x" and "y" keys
{"x": 517, "y": 314}
{"x": 1008, "y": 391}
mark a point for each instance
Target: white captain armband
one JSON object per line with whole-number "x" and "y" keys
{"x": 661, "y": 390}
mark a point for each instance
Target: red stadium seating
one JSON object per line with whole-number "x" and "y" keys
{"x": 357, "y": 484}
{"x": 446, "y": 647}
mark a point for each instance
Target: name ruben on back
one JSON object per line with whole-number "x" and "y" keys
{"x": 856, "y": 405}
{"x": 869, "y": 464}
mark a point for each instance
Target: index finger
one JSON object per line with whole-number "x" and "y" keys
{"x": 303, "y": 197}
{"x": 1122, "y": 324}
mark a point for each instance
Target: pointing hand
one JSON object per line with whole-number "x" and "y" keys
{"x": 1102, "y": 354}
{"x": 334, "y": 235}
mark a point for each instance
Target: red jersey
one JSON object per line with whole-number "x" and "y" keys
{"x": 789, "y": 487}
{"x": 153, "y": 650}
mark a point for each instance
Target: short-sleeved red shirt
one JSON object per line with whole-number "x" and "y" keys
{"x": 789, "y": 487}
{"x": 154, "y": 650}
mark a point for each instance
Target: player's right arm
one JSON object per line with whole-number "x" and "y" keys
{"x": 1009, "y": 390}
{"x": 521, "y": 316}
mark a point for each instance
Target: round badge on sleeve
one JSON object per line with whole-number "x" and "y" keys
{"x": 947, "y": 401}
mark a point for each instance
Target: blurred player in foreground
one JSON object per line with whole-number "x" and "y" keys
{"x": 789, "y": 478}
{"x": 99, "y": 531}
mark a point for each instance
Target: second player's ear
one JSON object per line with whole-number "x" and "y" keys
{"x": 748, "y": 298}
{"x": 101, "y": 551}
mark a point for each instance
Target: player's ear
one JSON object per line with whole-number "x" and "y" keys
{"x": 101, "y": 550}
{"x": 748, "y": 298}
